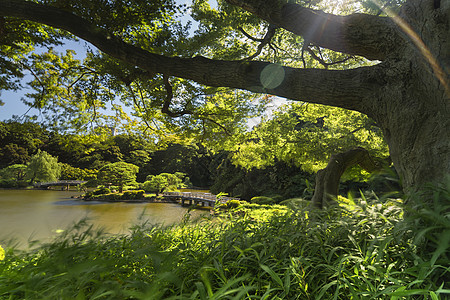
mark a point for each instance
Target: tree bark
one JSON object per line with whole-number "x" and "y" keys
{"x": 327, "y": 180}
{"x": 357, "y": 34}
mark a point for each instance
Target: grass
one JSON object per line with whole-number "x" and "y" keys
{"x": 366, "y": 248}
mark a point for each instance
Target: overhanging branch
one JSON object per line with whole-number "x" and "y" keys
{"x": 322, "y": 61}
{"x": 344, "y": 89}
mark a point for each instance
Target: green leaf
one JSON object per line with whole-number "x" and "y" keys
{"x": 272, "y": 274}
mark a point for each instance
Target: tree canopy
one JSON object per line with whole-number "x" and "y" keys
{"x": 387, "y": 61}
{"x": 118, "y": 173}
{"x": 43, "y": 167}
{"x": 305, "y": 135}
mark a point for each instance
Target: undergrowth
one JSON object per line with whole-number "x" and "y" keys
{"x": 365, "y": 248}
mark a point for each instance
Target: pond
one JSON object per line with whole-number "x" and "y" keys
{"x": 27, "y": 215}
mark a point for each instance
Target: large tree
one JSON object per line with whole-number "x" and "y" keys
{"x": 406, "y": 92}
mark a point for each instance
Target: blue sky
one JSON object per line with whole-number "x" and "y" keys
{"x": 12, "y": 99}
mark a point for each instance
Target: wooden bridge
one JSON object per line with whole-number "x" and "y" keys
{"x": 200, "y": 199}
{"x": 64, "y": 183}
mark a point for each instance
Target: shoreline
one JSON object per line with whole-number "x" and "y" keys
{"x": 153, "y": 199}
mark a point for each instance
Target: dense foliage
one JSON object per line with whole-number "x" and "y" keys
{"x": 366, "y": 248}
{"x": 118, "y": 174}
{"x": 363, "y": 249}
{"x": 81, "y": 156}
{"x": 43, "y": 167}
{"x": 165, "y": 182}
{"x": 304, "y": 135}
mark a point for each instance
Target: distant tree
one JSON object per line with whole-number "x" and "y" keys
{"x": 17, "y": 172}
{"x": 31, "y": 136}
{"x": 109, "y": 151}
{"x": 118, "y": 173}
{"x": 43, "y": 167}
{"x": 13, "y": 154}
{"x": 71, "y": 173}
{"x": 164, "y": 181}
{"x": 139, "y": 157}
{"x": 193, "y": 160}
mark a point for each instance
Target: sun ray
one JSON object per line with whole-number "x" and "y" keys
{"x": 418, "y": 42}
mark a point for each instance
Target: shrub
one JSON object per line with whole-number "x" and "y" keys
{"x": 101, "y": 190}
{"x": 296, "y": 203}
{"x": 262, "y": 200}
{"x": 133, "y": 195}
{"x": 164, "y": 182}
{"x": 108, "y": 197}
{"x": 88, "y": 195}
{"x": 8, "y": 183}
{"x": 149, "y": 186}
{"x": 231, "y": 204}
{"x": 277, "y": 198}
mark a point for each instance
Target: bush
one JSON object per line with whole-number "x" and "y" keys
{"x": 277, "y": 198}
{"x": 296, "y": 203}
{"x": 149, "y": 187}
{"x": 8, "y": 183}
{"x": 164, "y": 182}
{"x": 231, "y": 204}
{"x": 133, "y": 195}
{"x": 108, "y": 197}
{"x": 88, "y": 195}
{"x": 101, "y": 190}
{"x": 262, "y": 200}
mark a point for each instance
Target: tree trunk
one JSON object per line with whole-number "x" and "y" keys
{"x": 327, "y": 180}
{"x": 413, "y": 109}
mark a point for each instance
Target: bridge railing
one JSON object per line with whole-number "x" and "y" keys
{"x": 60, "y": 182}
{"x": 203, "y": 196}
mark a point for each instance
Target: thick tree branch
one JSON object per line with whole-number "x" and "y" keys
{"x": 369, "y": 36}
{"x": 344, "y": 89}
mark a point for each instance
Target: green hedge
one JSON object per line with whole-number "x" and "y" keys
{"x": 133, "y": 195}
{"x": 108, "y": 196}
{"x": 101, "y": 191}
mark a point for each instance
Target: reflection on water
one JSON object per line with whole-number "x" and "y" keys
{"x": 36, "y": 215}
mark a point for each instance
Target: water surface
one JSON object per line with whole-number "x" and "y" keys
{"x": 27, "y": 215}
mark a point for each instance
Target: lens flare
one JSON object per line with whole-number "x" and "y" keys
{"x": 272, "y": 76}
{"x": 418, "y": 42}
